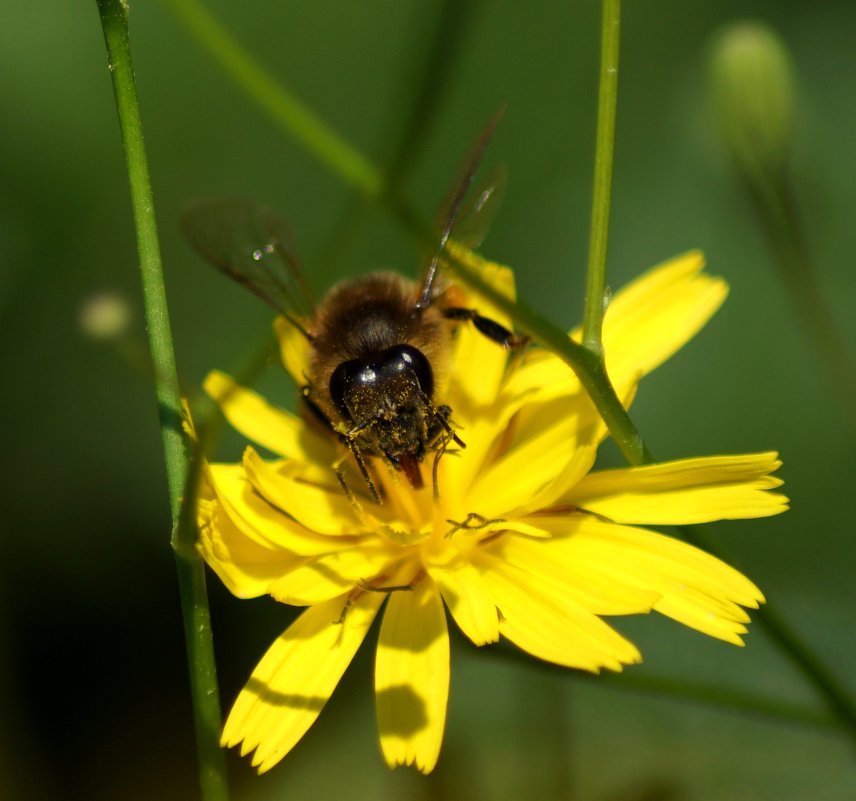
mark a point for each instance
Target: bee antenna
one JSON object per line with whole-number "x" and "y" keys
{"x": 472, "y": 165}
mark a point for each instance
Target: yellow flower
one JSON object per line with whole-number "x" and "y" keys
{"x": 520, "y": 540}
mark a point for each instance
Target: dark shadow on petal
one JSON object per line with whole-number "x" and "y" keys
{"x": 400, "y": 711}
{"x": 291, "y": 700}
{"x": 450, "y": 598}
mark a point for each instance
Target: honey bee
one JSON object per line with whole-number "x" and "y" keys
{"x": 377, "y": 343}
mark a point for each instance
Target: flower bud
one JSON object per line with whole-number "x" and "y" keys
{"x": 753, "y": 92}
{"x": 105, "y": 315}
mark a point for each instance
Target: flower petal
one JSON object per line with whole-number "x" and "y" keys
{"x": 296, "y": 677}
{"x": 412, "y": 677}
{"x": 478, "y": 362}
{"x": 556, "y": 629}
{"x": 318, "y": 578}
{"x": 533, "y": 475}
{"x": 552, "y": 565}
{"x": 685, "y": 491}
{"x": 658, "y": 313}
{"x": 646, "y": 322}
{"x": 325, "y": 510}
{"x": 695, "y": 588}
{"x": 274, "y": 428}
{"x": 464, "y": 591}
{"x": 262, "y": 522}
{"x": 294, "y": 350}
{"x": 246, "y": 566}
{"x": 253, "y": 565}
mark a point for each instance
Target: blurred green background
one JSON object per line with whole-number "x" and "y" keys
{"x": 95, "y": 701}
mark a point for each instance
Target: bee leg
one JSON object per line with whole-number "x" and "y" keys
{"x": 474, "y": 522}
{"x": 341, "y": 619}
{"x": 487, "y": 327}
{"x": 443, "y": 414}
{"x": 353, "y": 448}
{"x": 376, "y": 584}
{"x": 364, "y": 471}
{"x": 447, "y": 435}
{"x": 435, "y": 481}
{"x": 392, "y": 588}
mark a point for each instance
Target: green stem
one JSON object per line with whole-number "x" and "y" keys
{"x": 721, "y": 697}
{"x": 697, "y": 692}
{"x": 415, "y": 109}
{"x": 191, "y": 575}
{"x": 604, "y": 153}
{"x": 776, "y": 204}
{"x": 284, "y": 107}
{"x": 817, "y": 673}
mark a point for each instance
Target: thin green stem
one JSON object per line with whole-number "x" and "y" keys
{"x": 283, "y": 106}
{"x": 414, "y": 110}
{"x": 818, "y": 674}
{"x": 416, "y": 106}
{"x": 604, "y": 156}
{"x": 722, "y": 697}
{"x": 775, "y": 201}
{"x": 697, "y": 692}
{"x": 191, "y": 575}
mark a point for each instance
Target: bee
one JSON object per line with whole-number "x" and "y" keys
{"x": 378, "y": 343}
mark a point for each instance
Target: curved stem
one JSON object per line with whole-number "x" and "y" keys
{"x": 595, "y": 304}
{"x": 775, "y": 201}
{"x": 698, "y": 692}
{"x": 813, "y": 668}
{"x": 284, "y": 107}
{"x": 191, "y": 572}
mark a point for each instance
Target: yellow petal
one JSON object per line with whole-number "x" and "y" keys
{"x": 319, "y": 578}
{"x": 533, "y": 475}
{"x": 696, "y": 589}
{"x": 544, "y": 376}
{"x": 464, "y": 591}
{"x": 262, "y": 522}
{"x": 275, "y": 429}
{"x": 459, "y": 468}
{"x": 658, "y": 313}
{"x": 294, "y": 350}
{"x": 325, "y": 510}
{"x": 254, "y": 565}
{"x": 551, "y": 565}
{"x": 246, "y": 566}
{"x": 556, "y": 629}
{"x": 296, "y": 677}
{"x": 412, "y": 677}
{"x": 479, "y": 363}
{"x": 685, "y": 491}
{"x": 646, "y": 322}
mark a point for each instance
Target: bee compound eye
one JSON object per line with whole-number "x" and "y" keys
{"x": 406, "y": 357}
{"x": 345, "y": 378}
{"x": 354, "y": 382}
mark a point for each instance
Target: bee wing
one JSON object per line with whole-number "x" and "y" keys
{"x": 477, "y": 213}
{"x": 452, "y": 209}
{"x": 252, "y": 245}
